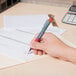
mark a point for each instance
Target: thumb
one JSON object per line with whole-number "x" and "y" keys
{"x": 38, "y": 45}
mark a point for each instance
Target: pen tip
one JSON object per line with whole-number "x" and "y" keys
{"x": 29, "y": 52}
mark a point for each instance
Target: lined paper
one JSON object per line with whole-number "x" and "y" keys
{"x": 15, "y": 39}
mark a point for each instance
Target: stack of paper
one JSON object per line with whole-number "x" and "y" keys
{"x": 18, "y": 32}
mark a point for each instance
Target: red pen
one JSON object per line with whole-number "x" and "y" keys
{"x": 46, "y": 24}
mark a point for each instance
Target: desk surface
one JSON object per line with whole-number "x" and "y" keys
{"x": 45, "y": 66}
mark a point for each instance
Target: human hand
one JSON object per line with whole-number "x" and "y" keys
{"x": 53, "y": 46}
{"x": 49, "y": 44}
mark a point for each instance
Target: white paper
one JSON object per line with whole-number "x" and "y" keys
{"x": 12, "y": 48}
{"x": 35, "y": 30}
{"x": 22, "y": 37}
{"x": 30, "y": 23}
{"x": 18, "y": 32}
{"x": 24, "y": 21}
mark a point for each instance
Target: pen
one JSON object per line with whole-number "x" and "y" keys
{"x": 46, "y": 24}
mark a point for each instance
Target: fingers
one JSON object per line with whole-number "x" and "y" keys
{"x": 44, "y": 53}
{"x": 39, "y": 52}
{"x": 37, "y": 45}
{"x": 35, "y": 52}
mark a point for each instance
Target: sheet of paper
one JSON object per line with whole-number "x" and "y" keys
{"x": 22, "y": 37}
{"x": 30, "y": 23}
{"x": 24, "y": 21}
{"x": 35, "y": 30}
{"x": 21, "y": 30}
{"x": 18, "y": 32}
{"x": 15, "y": 44}
{"x": 12, "y": 47}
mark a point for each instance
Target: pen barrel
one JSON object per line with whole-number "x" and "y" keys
{"x": 38, "y": 39}
{"x": 43, "y": 30}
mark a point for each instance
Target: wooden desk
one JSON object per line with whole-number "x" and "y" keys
{"x": 45, "y": 66}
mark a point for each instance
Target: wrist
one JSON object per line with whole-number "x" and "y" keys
{"x": 64, "y": 53}
{"x": 69, "y": 54}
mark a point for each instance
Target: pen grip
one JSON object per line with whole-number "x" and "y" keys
{"x": 37, "y": 40}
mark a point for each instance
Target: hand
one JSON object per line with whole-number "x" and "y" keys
{"x": 53, "y": 46}
{"x": 49, "y": 44}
